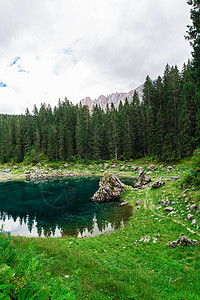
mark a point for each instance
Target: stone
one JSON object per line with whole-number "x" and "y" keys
{"x": 66, "y": 165}
{"x": 137, "y": 207}
{"x": 195, "y": 242}
{"x": 173, "y": 203}
{"x": 148, "y": 173}
{"x": 142, "y": 179}
{"x": 175, "y": 178}
{"x": 110, "y": 189}
{"x": 134, "y": 168}
{"x": 124, "y": 203}
{"x": 159, "y": 207}
{"x": 166, "y": 203}
{"x": 160, "y": 201}
{"x": 194, "y": 222}
{"x": 189, "y": 216}
{"x": 152, "y": 168}
{"x": 157, "y": 184}
{"x": 146, "y": 180}
{"x": 168, "y": 209}
{"x": 6, "y": 170}
{"x": 106, "y": 166}
{"x": 138, "y": 202}
{"x": 174, "y": 243}
{"x": 169, "y": 168}
{"x": 171, "y": 213}
{"x": 122, "y": 168}
{"x": 114, "y": 166}
{"x": 182, "y": 241}
{"x": 193, "y": 207}
{"x": 16, "y": 167}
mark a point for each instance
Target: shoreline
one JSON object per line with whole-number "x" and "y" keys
{"x": 12, "y": 173}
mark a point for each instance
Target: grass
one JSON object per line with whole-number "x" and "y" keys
{"x": 119, "y": 265}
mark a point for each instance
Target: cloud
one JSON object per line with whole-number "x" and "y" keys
{"x": 85, "y": 48}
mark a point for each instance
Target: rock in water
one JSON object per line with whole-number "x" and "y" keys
{"x": 110, "y": 189}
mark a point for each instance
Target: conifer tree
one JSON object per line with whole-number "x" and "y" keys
{"x": 194, "y": 37}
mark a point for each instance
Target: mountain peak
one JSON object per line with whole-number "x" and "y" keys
{"x": 114, "y": 98}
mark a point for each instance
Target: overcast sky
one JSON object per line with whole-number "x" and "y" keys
{"x": 51, "y": 49}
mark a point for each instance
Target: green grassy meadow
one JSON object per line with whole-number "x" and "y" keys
{"x": 119, "y": 265}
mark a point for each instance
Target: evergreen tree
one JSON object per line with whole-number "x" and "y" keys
{"x": 113, "y": 133}
{"x": 194, "y": 37}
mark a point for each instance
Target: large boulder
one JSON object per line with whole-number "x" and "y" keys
{"x": 110, "y": 189}
{"x": 142, "y": 179}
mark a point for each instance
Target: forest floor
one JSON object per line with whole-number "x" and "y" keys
{"x": 134, "y": 262}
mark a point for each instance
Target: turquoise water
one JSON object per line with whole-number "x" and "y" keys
{"x": 58, "y": 208}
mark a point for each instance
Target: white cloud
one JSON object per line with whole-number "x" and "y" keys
{"x": 85, "y": 48}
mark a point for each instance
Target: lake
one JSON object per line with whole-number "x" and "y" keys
{"x": 58, "y": 207}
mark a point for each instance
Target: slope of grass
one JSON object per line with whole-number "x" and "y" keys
{"x": 121, "y": 265}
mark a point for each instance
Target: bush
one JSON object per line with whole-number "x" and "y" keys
{"x": 192, "y": 177}
{"x": 196, "y": 158}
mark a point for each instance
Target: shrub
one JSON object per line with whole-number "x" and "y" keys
{"x": 196, "y": 158}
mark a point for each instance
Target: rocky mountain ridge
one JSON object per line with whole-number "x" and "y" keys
{"x": 114, "y": 98}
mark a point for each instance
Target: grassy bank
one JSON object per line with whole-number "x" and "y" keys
{"x": 131, "y": 263}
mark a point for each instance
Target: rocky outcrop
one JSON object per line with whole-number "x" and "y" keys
{"x": 182, "y": 241}
{"x": 142, "y": 179}
{"x": 110, "y": 189}
{"x": 157, "y": 184}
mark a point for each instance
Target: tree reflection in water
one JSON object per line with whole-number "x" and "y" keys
{"x": 58, "y": 208}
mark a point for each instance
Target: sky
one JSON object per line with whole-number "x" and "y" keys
{"x": 51, "y": 50}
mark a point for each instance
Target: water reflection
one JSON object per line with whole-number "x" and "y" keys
{"x": 57, "y": 208}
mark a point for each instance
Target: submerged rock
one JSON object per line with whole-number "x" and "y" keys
{"x": 110, "y": 189}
